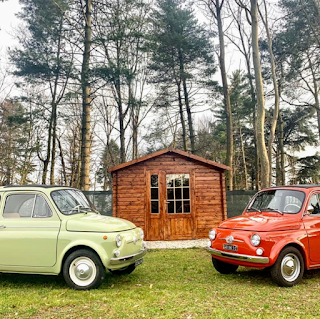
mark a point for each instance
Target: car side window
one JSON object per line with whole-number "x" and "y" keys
{"x": 315, "y": 203}
{"x": 41, "y": 208}
{"x": 26, "y": 206}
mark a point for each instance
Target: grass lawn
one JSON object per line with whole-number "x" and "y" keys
{"x": 169, "y": 284}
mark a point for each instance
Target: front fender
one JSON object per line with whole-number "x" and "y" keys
{"x": 81, "y": 243}
{"x": 300, "y": 242}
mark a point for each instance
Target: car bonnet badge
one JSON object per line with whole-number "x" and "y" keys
{"x": 229, "y": 239}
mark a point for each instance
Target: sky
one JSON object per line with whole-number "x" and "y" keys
{"x": 8, "y": 23}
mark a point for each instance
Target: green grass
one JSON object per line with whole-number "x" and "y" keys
{"x": 169, "y": 284}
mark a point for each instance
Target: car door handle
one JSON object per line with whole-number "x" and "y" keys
{"x": 2, "y": 226}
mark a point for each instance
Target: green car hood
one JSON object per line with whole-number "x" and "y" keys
{"x": 98, "y": 223}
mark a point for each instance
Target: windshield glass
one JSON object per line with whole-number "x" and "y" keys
{"x": 70, "y": 201}
{"x": 279, "y": 200}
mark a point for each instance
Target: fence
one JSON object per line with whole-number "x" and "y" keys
{"x": 236, "y": 201}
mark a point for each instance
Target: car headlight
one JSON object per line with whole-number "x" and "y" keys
{"x": 255, "y": 240}
{"x": 212, "y": 234}
{"x": 118, "y": 240}
{"x": 141, "y": 234}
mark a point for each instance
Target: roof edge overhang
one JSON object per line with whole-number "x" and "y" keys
{"x": 171, "y": 150}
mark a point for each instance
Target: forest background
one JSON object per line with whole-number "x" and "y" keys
{"x": 91, "y": 84}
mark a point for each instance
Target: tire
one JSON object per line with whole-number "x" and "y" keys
{"x": 224, "y": 268}
{"x": 124, "y": 271}
{"x": 289, "y": 267}
{"x": 83, "y": 270}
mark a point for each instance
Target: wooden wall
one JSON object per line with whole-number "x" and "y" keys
{"x": 208, "y": 199}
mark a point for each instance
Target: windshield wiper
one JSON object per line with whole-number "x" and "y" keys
{"x": 253, "y": 209}
{"x": 274, "y": 210}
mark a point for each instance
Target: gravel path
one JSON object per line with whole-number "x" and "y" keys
{"x": 176, "y": 244}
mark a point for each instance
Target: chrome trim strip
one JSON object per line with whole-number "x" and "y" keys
{"x": 235, "y": 240}
{"x": 131, "y": 258}
{"x": 32, "y": 226}
{"x": 247, "y": 258}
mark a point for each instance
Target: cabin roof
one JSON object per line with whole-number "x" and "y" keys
{"x": 174, "y": 151}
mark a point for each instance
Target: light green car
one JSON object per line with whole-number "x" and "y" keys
{"x": 52, "y": 230}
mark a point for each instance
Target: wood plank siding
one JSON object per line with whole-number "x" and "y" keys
{"x": 131, "y": 196}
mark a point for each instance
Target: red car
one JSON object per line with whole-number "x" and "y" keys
{"x": 280, "y": 229}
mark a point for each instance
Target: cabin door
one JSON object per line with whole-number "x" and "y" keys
{"x": 170, "y": 215}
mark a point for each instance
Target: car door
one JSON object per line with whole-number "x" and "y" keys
{"x": 29, "y": 230}
{"x": 312, "y": 225}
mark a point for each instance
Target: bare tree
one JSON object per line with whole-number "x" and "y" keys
{"x": 86, "y": 100}
{"x": 216, "y": 9}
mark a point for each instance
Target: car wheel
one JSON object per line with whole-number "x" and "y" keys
{"x": 123, "y": 271}
{"x": 83, "y": 270}
{"x": 289, "y": 267}
{"x": 224, "y": 268}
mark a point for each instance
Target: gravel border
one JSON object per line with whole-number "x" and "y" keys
{"x": 177, "y": 244}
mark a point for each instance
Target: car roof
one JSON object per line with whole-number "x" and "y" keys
{"x": 305, "y": 186}
{"x": 32, "y": 187}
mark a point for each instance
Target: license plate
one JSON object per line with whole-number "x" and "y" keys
{"x": 230, "y": 247}
{"x": 138, "y": 262}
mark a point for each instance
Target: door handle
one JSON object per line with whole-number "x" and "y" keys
{"x": 2, "y": 226}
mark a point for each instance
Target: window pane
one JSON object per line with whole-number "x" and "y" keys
{"x": 186, "y": 193}
{"x": 170, "y": 180}
{"x": 185, "y": 180}
{"x": 171, "y": 207}
{"x": 178, "y": 206}
{"x": 41, "y": 208}
{"x": 154, "y": 180}
{"x": 186, "y": 206}
{"x": 178, "y": 193}
{"x": 19, "y": 206}
{"x": 170, "y": 193}
{"x": 154, "y": 193}
{"x": 154, "y": 207}
{"x": 178, "y": 181}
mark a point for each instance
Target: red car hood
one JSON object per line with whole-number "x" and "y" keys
{"x": 263, "y": 222}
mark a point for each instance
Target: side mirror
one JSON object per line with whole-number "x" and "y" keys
{"x": 310, "y": 209}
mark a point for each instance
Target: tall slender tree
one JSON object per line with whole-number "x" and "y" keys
{"x": 181, "y": 51}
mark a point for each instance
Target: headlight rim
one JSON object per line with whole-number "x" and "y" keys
{"x": 118, "y": 240}
{"x": 212, "y": 234}
{"x": 255, "y": 242}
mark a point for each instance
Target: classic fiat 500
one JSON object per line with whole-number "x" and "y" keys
{"x": 279, "y": 229}
{"x": 52, "y": 230}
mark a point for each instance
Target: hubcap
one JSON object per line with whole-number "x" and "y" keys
{"x": 290, "y": 267}
{"x": 82, "y": 271}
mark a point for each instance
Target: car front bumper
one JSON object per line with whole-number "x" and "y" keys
{"x": 128, "y": 259}
{"x": 234, "y": 256}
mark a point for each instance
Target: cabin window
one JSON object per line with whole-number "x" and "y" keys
{"x": 178, "y": 193}
{"x": 154, "y": 194}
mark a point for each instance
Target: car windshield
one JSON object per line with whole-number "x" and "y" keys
{"x": 283, "y": 201}
{"x": 70, "y": 201}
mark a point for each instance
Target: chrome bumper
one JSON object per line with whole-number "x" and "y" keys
{"x": 130, "y": 258}
{"x": 247, "y": 258}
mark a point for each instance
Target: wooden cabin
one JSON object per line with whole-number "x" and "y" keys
{"x": 171, "y": 194}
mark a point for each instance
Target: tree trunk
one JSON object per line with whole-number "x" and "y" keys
{"x": 226, "y": 95}
{"x": 62, "y": 163}
{"x": 47, "y": 159}
{"x": 282, "y": 172}
{"x": 244, "y": 163}
{"x": 261, "y": 145}
{"x": 183, "y": 125}
{"x": 86, "y": 102}
{"x": 54, "y": 108}
{"x": 275, "y": 88}
{"x": 186, "y": 102}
